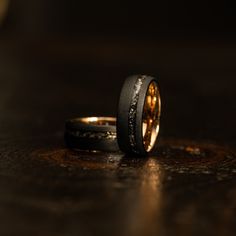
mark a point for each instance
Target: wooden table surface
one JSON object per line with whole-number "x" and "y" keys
{"x": 187, "y": 187}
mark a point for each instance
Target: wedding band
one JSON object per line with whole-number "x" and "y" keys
{"x": 138, "y": 118}
{"x": 91, "y": 133}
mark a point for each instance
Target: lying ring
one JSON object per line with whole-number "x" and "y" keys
{"x": 138, "y": 118}
{"x": 91, "y": 133}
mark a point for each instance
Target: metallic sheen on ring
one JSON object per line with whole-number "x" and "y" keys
{"x": 138, "y": 117}
{"x": 91, "y": 133}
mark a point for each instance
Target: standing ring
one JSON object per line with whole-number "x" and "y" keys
{"x": 138, "y": 118}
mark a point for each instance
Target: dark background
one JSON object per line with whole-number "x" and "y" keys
{"x": 60, "y": 59}
{"x": 70, "y": 58}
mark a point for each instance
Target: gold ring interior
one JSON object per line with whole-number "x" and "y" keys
{"x": 104, "y": 121}
{"x": 151, "y": 116}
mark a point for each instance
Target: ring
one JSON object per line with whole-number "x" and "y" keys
{"x": 92, "y": 133}
{"x": 138, "y": 117}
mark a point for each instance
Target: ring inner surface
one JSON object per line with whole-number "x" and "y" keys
{"x": 151, "y": 116}
{"x": 105, "y": 121}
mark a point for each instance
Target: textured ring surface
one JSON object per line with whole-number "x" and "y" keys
{"x": 92, "y": 133}
{"x": 138, "y": 117}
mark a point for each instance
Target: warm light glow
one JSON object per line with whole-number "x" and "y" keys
{"x": 93, "y": 119}
{"x": 151, "y": 116}
{"x": 3, "y": 9}
{"x": 98, "y": 120}
{"x": 147, "y": 203}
